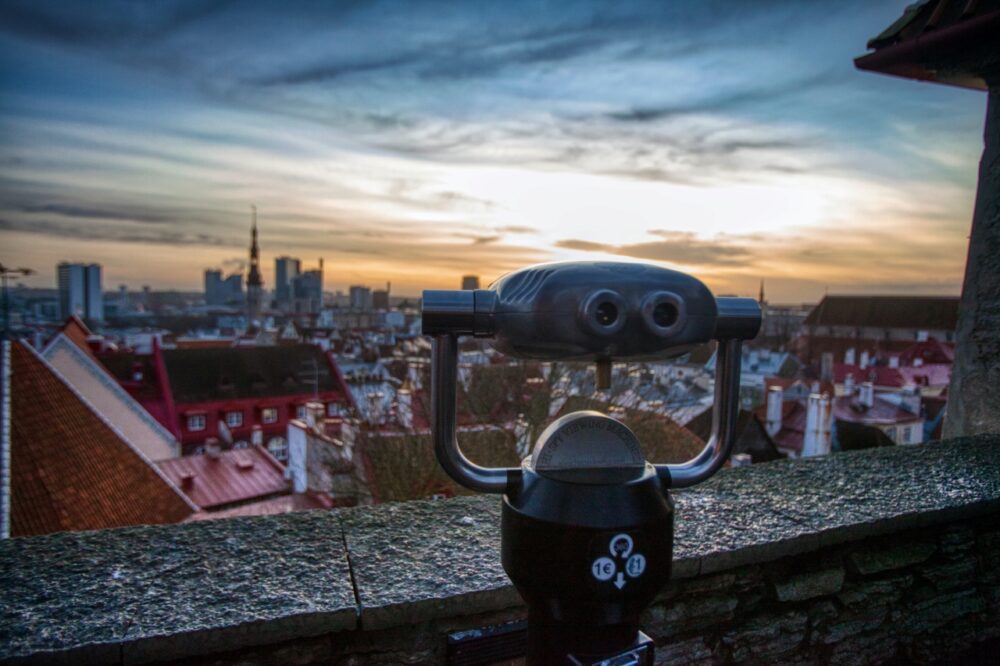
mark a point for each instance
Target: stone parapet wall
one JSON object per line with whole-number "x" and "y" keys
{"x": 857, "y": 557}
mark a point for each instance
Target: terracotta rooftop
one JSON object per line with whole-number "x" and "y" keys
{"x": 911, "y": 312}
{"x": 69, "y": 469}
{"x": 269, "y": 507}
{"x": 237, "y": 475}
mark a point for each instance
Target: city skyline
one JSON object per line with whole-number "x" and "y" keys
{"x": 416, "y": 143}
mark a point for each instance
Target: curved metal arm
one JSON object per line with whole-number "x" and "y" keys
{"x": 724, "y": 415}
{"x": 444, "y": 387}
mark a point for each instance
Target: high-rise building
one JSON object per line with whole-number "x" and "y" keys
{"x": 307, "y": 289}
{"x": 361, "y": 298}
{"x": 213, "y": 287}
{"x": 470, "y": 282}
{"x": 286, "y": 269}
{"x": 255, "y": 283}
{"x": 380, "y": 299}
{"x": 80, "y": 291}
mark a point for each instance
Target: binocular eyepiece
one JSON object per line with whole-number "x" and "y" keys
{"x": 591, "y": 311}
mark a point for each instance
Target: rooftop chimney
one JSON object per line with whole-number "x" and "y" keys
{"x": 849, "y": 356}
{"x": 849, "y": 384}
{"x": 212, "y": 448}
{"x": 922, "y": 336}
{"x": 893, "y": 361}
{"x": 404, "y": 401}
{"x": 866, "y": 396}
{"x": 910, "y": 399}
{"x": 314, "y": 415}
{"x": 816, "y": 441}
{"x": 298, "y": 441}
{"x": 256, "y": 435}
{"x": 917, "y": 362}
{"x": 775, "y": 398}
{"x": 826, "y": 367}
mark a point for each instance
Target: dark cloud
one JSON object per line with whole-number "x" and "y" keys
{"x": 675, "y": 247}
{"x": 89, "y": 232}
{"x": 756, "y": 95}
{"x": 70, "y": 210}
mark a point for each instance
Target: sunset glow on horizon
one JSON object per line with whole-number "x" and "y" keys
{"x": 413, "y": 143}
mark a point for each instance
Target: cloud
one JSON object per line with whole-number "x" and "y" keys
{"x": 91, "y": 232}
{"x": 69, "y": 210}
{"x": 675, "y": 247}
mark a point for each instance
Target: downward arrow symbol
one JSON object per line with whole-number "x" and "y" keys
{"x": 620, "y": 581}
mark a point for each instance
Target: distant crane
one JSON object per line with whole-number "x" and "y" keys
{"x": 5, "y": 274}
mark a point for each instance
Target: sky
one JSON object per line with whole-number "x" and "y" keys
{"x": 414, "y": 142}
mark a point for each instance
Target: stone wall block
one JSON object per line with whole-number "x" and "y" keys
{"x": 862, "y": 594}
{"x": 938, "y": 611}
{"x": 956, "y": 542}
{"x": 767, "y": 637}
{"x": 693, "y": 652}
{"x": 988, "y": 557}
{"x": 853, "y": 624}
{"x": 867, "y": 648}
{"x": 875, "y": 559}
{"x": 678, "y": 617}
{"x": 809, "y": 585}
{"x": 950, "y": 576}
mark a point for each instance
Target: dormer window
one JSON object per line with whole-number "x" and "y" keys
{"x": 234, "y": 419}
{"x": 196, "y": 422}
{"x": 269, "y": 415}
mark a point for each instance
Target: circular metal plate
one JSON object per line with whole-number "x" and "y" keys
{"x": 588, "y": 447}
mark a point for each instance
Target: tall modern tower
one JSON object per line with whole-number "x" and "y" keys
{"x": 255, "y": 284}
{"x": 80, "y": 291}
{"x": 286, "y": 269}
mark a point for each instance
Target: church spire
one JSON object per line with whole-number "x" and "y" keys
{"x": 760, "y": 299}
{"x": 255, "y": 283}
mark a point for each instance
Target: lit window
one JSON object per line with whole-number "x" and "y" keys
{"x": 300, "y": 412}
{"x": 278, "y": 448}
{"x": 269, "y": 415}
{"x": 333, "y": 409}
{"x": 196, "y": 422}
{"x": 234, "y": 419}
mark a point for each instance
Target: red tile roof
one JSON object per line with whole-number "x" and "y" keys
{"x": 69, "y": 469}
{"x": 270, "y": 507}
{"x": 237, "y": 475}
{"x": 879, "y": 375}
{"x": 882, "y": 412}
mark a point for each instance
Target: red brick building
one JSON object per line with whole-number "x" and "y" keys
{"x": 231, "y": 393}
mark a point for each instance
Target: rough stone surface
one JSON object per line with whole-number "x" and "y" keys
{"x": 747, "y": 515}
{"x": 385, "y": 584}
{"x": 418, "y": 560}
{"x": 168, "y": 591}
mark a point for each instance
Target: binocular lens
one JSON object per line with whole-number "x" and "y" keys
{"x": 606, "y": 313}
{"x": 665, "y": 314}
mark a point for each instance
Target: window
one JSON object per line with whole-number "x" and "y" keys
{"x": 278, "y": 448}
{"x": 300, "y": 412}
{"x": 907, "y": 434}
{"x": 891, "y": 433}
{"x": 333, "y": 409}
{"x": 241, "y": 444}
{"x": 234, "y": 419}
{"x": 269, "y": 415}
{"x": 196, "y": 422}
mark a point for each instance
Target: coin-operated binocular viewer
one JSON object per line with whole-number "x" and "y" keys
{"x": 587, "y": 526}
